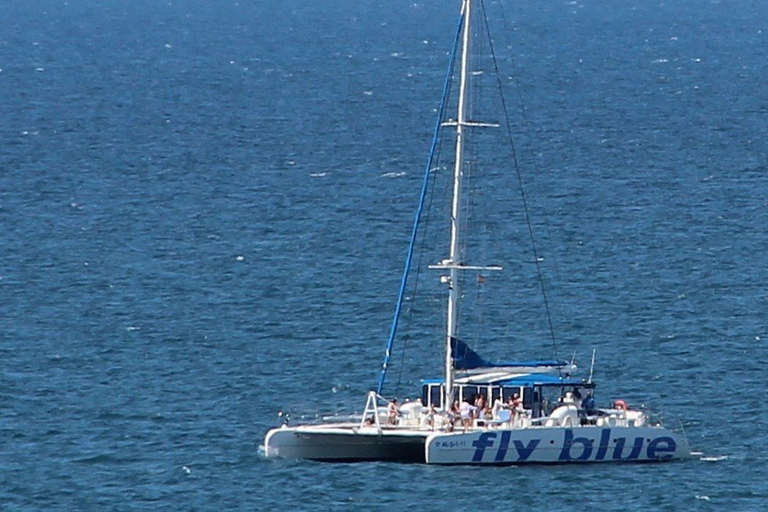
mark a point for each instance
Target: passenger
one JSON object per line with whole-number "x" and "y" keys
{"x": 514, "y": 403}
{"x": 515, "y": 406}
{"x": 393, "y": 411}
{"x": 368, "y": 422}
{"x": 430, "y": 417}
{"x": 452, "y": 415}
{"x": 468, "y": 413}
{"x": 589, "y": 404}
{"x": 498, "y": 405}
{"x": 482, "y": 405}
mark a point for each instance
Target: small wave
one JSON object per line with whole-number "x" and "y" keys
{"x": 712, "y": 458}
{"x": 392, "y": 174}
{"x": 702, "y": 497}
{"x": 318, "y": 174}
{"x": 111, "y": 416}
{"x": 102, "y": 458}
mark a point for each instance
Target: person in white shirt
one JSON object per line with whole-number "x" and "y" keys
{"x": 468, "y": 412}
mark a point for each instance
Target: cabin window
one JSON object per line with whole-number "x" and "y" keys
{"x": 432, "y": 394}
{"x": 470, "y": 392}
{"x": 529, "y": 397}
{"x": 509, "y": 392}
{"x": 435, "y": 396}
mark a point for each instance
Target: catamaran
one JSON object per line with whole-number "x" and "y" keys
{"x": 541, "y": 412}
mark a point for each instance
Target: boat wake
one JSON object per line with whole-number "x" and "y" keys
{"x": 710, "y": 458}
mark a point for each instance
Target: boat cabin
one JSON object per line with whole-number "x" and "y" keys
{"x": 540, "y": 393}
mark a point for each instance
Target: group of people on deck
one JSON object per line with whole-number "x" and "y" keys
{"x": 474, "y": 409}
{"x": 586, "y": 403}
{"x": 477, "y": 410}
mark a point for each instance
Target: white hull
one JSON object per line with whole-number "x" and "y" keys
{"x": 346, "y": 443}
{"x": 552, "y": 445}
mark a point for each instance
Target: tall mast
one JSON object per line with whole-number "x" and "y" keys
{"x": 454, "y": 260}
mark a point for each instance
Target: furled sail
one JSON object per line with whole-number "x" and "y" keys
{"x": 464, "y": 358}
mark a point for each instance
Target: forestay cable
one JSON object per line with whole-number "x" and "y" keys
{"x": 417, "y": 219}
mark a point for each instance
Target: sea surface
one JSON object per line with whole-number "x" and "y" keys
{"x": 205, "y": 208}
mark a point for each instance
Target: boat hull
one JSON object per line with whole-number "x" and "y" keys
{"x": 346, "y": 443}
{"x": 556, "y": 445}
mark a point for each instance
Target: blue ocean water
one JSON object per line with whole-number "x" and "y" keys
{"x": 205, "y": 209}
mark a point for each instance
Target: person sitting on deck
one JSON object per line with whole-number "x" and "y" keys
{"x": 487, "y": 412}
{"x": 428, "y": 418}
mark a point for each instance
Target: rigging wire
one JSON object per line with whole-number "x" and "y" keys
{"x": 476, "y": 169}
{"x": 524, "y": 114}
{"x": 419, "y": 266}
{"x": 523, "y": 195}
{"x": 414, "y": 231}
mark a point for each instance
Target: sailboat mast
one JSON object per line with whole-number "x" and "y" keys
{"x": 455, "y": 257}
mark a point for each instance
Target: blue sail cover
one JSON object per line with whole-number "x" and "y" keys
{"x": 464, "y": 358}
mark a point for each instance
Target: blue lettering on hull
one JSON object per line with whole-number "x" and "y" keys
{"x": 484, "y": 441}
{"x": 662, "y": 448}
{"x": 633, "y": 455}
{"x": 583, "y": 447}
{"x": 503, "y": 446}
{"x": 572, "y": 449}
